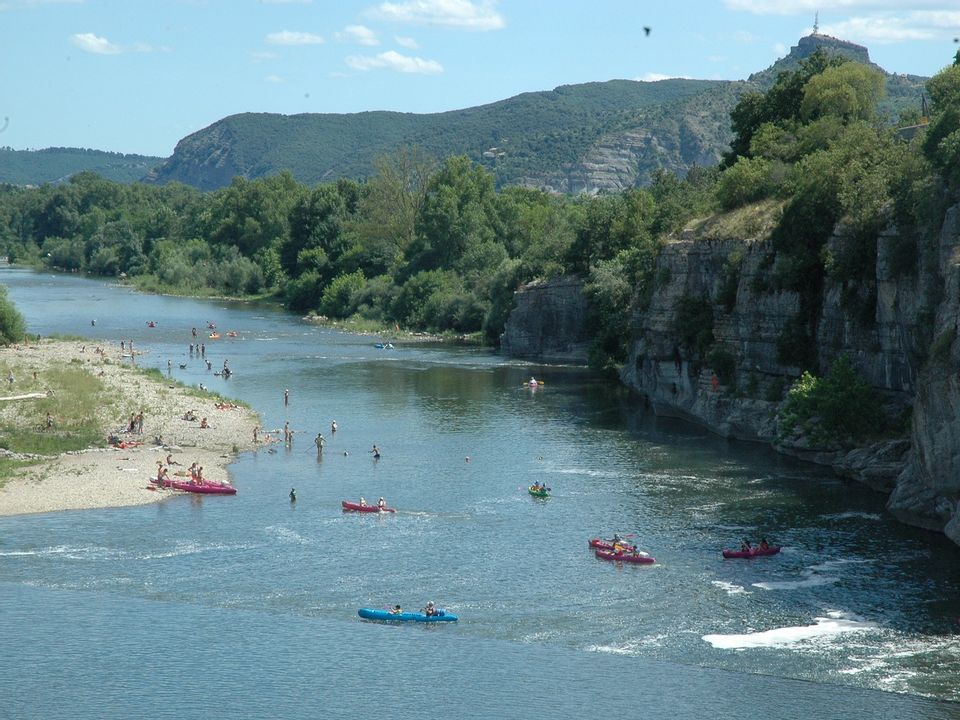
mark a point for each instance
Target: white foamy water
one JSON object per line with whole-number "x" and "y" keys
{"x": 834, "y": 624}
{"x": 851, "y": 515}
{"x": 731, "y": 588}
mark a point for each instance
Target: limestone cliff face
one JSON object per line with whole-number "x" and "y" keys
{"x": 883, "y": 322}
{"x": 927, "y": 493}
{"x": 549, "y": 322}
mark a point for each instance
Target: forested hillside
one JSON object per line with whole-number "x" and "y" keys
{"x": 56, "y": 165}
{"x": 605, "y": 136}
{"x": 522, "y": 138}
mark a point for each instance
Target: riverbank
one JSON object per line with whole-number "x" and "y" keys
{"x": 47, "y": 378}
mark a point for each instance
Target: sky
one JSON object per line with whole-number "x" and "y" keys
{"x": 136, "y": 76}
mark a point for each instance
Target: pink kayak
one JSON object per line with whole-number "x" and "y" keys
{"x": 357, "y": 507}
{"x": 752, "y": 552}
{"x": 640, "y": 558}
{"x": 206, "y": 487}
{"x": 599, "y": 544}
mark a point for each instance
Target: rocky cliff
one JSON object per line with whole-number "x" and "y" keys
{"x": 549, "y": 322}
{"x": 884, "y": 323}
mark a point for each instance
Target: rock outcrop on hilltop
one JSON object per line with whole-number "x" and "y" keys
{"x": 885, "y": 330}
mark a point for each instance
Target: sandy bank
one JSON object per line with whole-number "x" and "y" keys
{"x": 114, "y": 477}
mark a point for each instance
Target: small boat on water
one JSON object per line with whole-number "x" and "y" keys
{"x": 539, "y": 491}
{"x": 207, "y": 487}
{"x": 639, "y": 558}
{"x": 214, "y": 336}
{"x": 751, "y": 553}
{"x": 601, "y": 544}
{"x": 357, "y": 507}
{"x": 232, "y": 333}
{"x": 383, "y": 346}
{"x": 388, "y": 616}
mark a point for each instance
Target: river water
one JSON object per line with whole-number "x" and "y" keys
{"x": 245, "y": 606}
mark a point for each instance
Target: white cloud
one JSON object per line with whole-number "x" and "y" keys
{"x": 462, "y": 14}
{"x": 876, "y": 29}
{"x": 824, "y": 7}
{"x": 655, "y": 77}
{"x": 263, "y": 56}
{"x": 359, "y": 34}
{"x": 780, "y": 49}
{"x": 274, "y": 79}
{"x": 289, "y": 37}
{"x": 892, "y": 28}
{"x": 392, "y": 60}
{"x": 88, "y": 42}
{"x": 407, "y": 42}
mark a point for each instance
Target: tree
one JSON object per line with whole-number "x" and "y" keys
{"x": 849, "y": 91}
{"x": 12, "y": 326}
{"x": 458, "y": 211}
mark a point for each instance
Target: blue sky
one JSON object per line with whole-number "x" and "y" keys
{"x": 136, "y": 76}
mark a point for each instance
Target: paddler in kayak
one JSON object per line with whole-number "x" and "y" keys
{"x": 396, "y": 610}
{"x": 382, "y": 504}
{"x": 764, "y": 545}
{"x": 363, "y": 501}
{"x": 430, "y": 610}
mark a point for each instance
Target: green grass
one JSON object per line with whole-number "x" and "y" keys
{"x": 77, "y": 395}
{"x": 11, "y": 468}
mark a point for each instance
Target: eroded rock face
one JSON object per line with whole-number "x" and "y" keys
{"x": 928, "y": 490}
{"x": 549, "y": 323}
{"x": 881, "y": 321}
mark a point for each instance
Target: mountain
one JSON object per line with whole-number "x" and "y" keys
{"x": 56, "y": 165}
{"x": 603, "y": 136}
{"x": 539, "y": 138}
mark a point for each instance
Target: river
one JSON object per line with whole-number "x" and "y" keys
{"x": 245, "y": 606}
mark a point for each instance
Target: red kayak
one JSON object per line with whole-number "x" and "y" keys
{"x": 206, "y": 487}
{"x": 640, "y": 558}
{"x": 752, "y": 552}
{"x": 357, "y": 507}
{"x": 600, "y": 544}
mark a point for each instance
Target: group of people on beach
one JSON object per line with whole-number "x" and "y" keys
{"x": 163, "y": 472}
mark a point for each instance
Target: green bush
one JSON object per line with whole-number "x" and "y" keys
{"x": 336, "y": 300}
{"x": 840, "y": 406}
{"x": 745, "y": 181}
{"x": 693, "y": 324}
{"x": 724, "y": 363}
{"x": 12, "y": 326}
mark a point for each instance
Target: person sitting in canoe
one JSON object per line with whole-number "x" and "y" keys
{"x": 396, "y": 610}
{"x": 764, "y": 545}
{"x": 162, "y": 475}
{"x": 363, "y": 503}
{"x": 430, "y": 610}
{"x": 382, "y": 504}
{"x": 745, "y": 546}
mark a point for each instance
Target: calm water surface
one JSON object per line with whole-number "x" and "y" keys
{"x": 245, "y": 606}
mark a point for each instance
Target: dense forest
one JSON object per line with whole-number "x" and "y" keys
{"x": 54, "y": 165}
{"x": 434, "y": 245}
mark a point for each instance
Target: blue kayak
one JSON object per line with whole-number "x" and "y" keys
{"x": 371, "y": 614}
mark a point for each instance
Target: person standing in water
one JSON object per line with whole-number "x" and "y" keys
{"x": 319, "y": 440}
{"x": 333, "y": 427}
{"x": 286, "y": 397}
{"x": 376, "y": 452}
